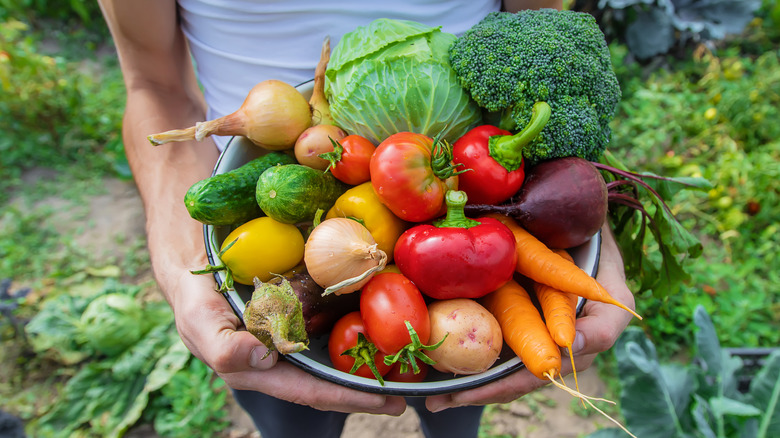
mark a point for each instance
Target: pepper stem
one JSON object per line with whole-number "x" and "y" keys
{"x": 507, "y": 150}
{"x": 456, "y": 217}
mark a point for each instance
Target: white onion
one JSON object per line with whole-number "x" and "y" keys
{"x": 341, "y": 255}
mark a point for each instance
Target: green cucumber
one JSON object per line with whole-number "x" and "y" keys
{"x": 229, "y": 198}
{"x": 293, "y": 193}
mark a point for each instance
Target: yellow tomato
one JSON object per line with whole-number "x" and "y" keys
{"x": 263, "y": 247}
{"x": 361, "y": 203}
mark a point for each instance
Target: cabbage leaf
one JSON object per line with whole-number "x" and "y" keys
{"x": 394, "y": 76}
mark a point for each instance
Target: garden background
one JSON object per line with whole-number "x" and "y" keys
{"x": 700, "y": 99}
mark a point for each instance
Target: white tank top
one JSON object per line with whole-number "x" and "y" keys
{"x": 238, "y": 43}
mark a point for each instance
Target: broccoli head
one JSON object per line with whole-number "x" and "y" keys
{"x": 508, "y": 62}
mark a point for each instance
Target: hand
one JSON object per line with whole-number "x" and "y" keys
{"x": 210, "y": 329}
{"x": 598, "y": 328}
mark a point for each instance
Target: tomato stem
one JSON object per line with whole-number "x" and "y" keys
{"x": 363, "y": 353}
{"x": 409, "y": 354}
{"x": 441, "y": 160}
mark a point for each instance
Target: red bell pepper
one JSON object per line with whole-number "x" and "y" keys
{"x": 495, "y": 159}
{"x": 457, "y": 257}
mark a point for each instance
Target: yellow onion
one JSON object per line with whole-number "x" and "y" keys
{"x": 341, "y": 256}
{"x": 272, "y": 116}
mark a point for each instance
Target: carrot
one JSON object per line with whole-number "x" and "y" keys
{"x": 527, "y": 335}
{"x": 560, "y": 312}
{"x": 539, "y": 263}
{"x": 523, "y": 329}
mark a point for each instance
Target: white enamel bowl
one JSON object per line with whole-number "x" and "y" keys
{"x": 316, "y": 360}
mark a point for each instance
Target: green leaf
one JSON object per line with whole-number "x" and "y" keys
{"x": 764, "y": 393}
{"x": 169, "y": 364}
{"x": 652, "y": 400}
{"x": 702, "y": 417}
{"x": 717, "y": 364}
{"x": 611, "y": 432}
{"x": 675, "y": 243}
{"x": 54, "y": 330}
{"x": 722, "y": 406}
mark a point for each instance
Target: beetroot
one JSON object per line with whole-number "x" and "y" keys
{"x": 563, "y": 202}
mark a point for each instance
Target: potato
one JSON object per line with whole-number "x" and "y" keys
{"x": 474, "y": 341}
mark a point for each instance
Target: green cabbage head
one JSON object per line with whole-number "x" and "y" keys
{"x": 393, "y": 76}
{"x": 111, "y": 323}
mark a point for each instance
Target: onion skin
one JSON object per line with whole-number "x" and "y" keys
{"x": 563, "y": 202}
{"x": 341, "y": 256}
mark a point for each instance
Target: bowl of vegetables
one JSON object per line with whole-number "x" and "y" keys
{"x": 316, "y": 358}
{"x": 380, "y": 237}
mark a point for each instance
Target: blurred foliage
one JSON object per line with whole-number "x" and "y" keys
{"x": 713, "y": 115}
{"x": 84, "y": 13}
{"x": 57, "y": 109}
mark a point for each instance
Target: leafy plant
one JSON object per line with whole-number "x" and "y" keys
{"x": 106, "y": 397}
{"x": 700, "y": 398}
{"x": 191, "y": 404}
{"x": 645, "y": 225}
{"x": 654, "y": 27}
{"x": 9, "y": 302}
{"x": 110, "y": 392}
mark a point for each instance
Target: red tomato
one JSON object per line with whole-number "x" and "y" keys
{"x": 350, "y": 159}
{"x": 488, "y": 182}
{"x": 386, "y": 302}
{"x": 410, "y": 175}
{"x": 395, "y": 374}
{"x": 343, "y": 337}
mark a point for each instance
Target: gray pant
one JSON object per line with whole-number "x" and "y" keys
{"x": 276, "y": 418}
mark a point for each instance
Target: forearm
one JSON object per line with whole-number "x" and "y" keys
{"x": 163, "y": 174}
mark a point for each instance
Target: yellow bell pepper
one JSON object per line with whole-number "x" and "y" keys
{"x": 361, "y": 203}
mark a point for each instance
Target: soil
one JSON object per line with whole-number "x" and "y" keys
{"x": 117, "y": 216}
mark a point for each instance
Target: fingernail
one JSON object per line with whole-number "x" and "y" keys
{"x": 578, "y": 344}
{"x": 438, "y": 408}
{"x": 256, "y": 357}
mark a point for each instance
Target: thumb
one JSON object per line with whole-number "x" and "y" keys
{"x": 213, "y": 333}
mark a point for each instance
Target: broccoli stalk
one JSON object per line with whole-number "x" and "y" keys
{"x": 507, "y": 150}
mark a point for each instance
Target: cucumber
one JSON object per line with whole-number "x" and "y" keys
{"x": 293, "y": 193}
{"x": 229, "y": 198}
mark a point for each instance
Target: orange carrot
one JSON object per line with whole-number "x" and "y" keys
{"x": 560, "y": 312}
{"x": 539, "y": 263}
{"x": 523, "y": 329}
{"x": 527, "y": 335}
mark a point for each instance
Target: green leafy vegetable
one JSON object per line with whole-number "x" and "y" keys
{"x": 393, "y": 76}
{"x": 111, "y": 323}
{"x": 700, "y": 399}
{"x": 109, "y": 396}
{"x": 638, "y": 207}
